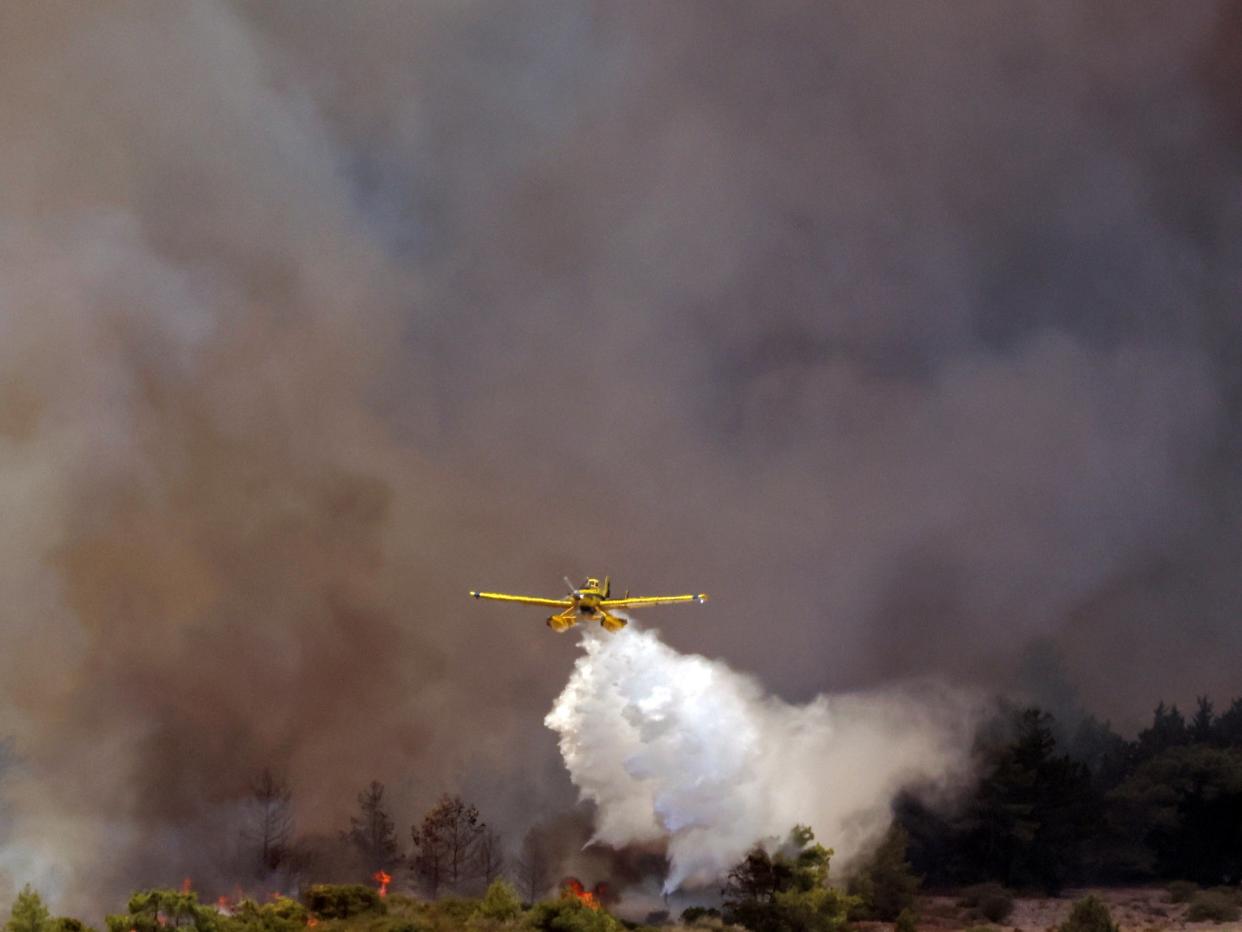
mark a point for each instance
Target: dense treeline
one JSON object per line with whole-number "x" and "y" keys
{"x": 1055, "y": 806}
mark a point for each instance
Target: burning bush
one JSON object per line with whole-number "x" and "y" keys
{"x": 573, "y": 889}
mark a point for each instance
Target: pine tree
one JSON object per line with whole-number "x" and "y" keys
{"x": 446, "y": 844}
{"x": 29, "y": 914}
{"x": 1032, "y": 811}
{"x": 1201, "y": 725}
{"x": 270, "y": 825}
{"x": 534, "y": 865}
{"x": 489, "y": 855}
{"x": 886, "y": 883}
{"x": 1168, "y": 729}
{"x": 1228, "y": 725}
{"x": 373, "y": 833}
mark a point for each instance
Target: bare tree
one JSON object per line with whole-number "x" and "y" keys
{"x": 269, "y": 825}
{"x": 489, "y": 855}
{"x": 534, "y": 865}
{"x": 446, "y": 844}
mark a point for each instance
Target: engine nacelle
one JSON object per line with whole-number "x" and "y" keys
{"x": 611, "y": 623}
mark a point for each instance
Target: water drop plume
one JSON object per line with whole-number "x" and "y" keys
{"x": 680, "y": 748}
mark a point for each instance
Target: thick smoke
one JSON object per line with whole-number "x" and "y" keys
{"x": 682, "y": 749}
{"x": 912, "y": 337}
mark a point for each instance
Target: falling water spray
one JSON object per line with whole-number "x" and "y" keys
{"x": 683, "y": 749}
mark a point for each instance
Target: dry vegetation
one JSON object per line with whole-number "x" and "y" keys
{"x": 1133, "y": 908}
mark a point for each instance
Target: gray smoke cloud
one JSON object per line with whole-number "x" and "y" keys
{"x": 908, "y": 333}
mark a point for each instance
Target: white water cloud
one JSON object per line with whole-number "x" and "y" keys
{"x": 683, "y": 748}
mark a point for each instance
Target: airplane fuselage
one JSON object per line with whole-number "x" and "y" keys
{"x": 588, "y": 602}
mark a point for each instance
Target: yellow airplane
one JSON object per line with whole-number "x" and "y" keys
{"x": 590, "y": 602}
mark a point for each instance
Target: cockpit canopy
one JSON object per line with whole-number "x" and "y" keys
{"x": 591, "y": 584}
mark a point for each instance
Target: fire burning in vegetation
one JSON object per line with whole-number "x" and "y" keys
{"x": 383, "y": 878}
{"x": 573, "y": 888}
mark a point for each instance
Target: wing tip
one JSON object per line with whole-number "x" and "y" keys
{"x": 701, "y": 597}
{"x": 474, "y": 594}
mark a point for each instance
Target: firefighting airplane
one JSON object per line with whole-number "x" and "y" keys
{"x": 590, "y": 602}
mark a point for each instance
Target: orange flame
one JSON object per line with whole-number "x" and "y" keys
{"x": 383, "y": 878}
{"x": 572, "y": 888}
{"x": 185, "y": 885}
{"x": 311, "y": 922}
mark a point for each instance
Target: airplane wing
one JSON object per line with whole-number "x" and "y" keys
{"x": 652, "y": 600}
{"x": 524, "y": 599}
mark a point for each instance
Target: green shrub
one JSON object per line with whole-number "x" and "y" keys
{"x": 454, "y": 909}
{"x": 1090, "y": 914}
{"x": 1213, "y": 906}
{"x": 405, "y": 914}
{"x": 907, "y": 921}
{"x": 342, "y": 900}
{"x": 154, "y": 910}
{"x": 1180, "y": 891}
{"x": 376, "y": 923}
{"x": 281, "y": 915}
{"x": 694, "y": 913}
{"x": 990, "y": 901}
{"x": 569, "y": 915}
{"x": 67, "y": 924}
{"x": 500, "y": 902}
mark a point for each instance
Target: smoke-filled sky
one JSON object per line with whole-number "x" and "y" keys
{"x": 908, "y": 331}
